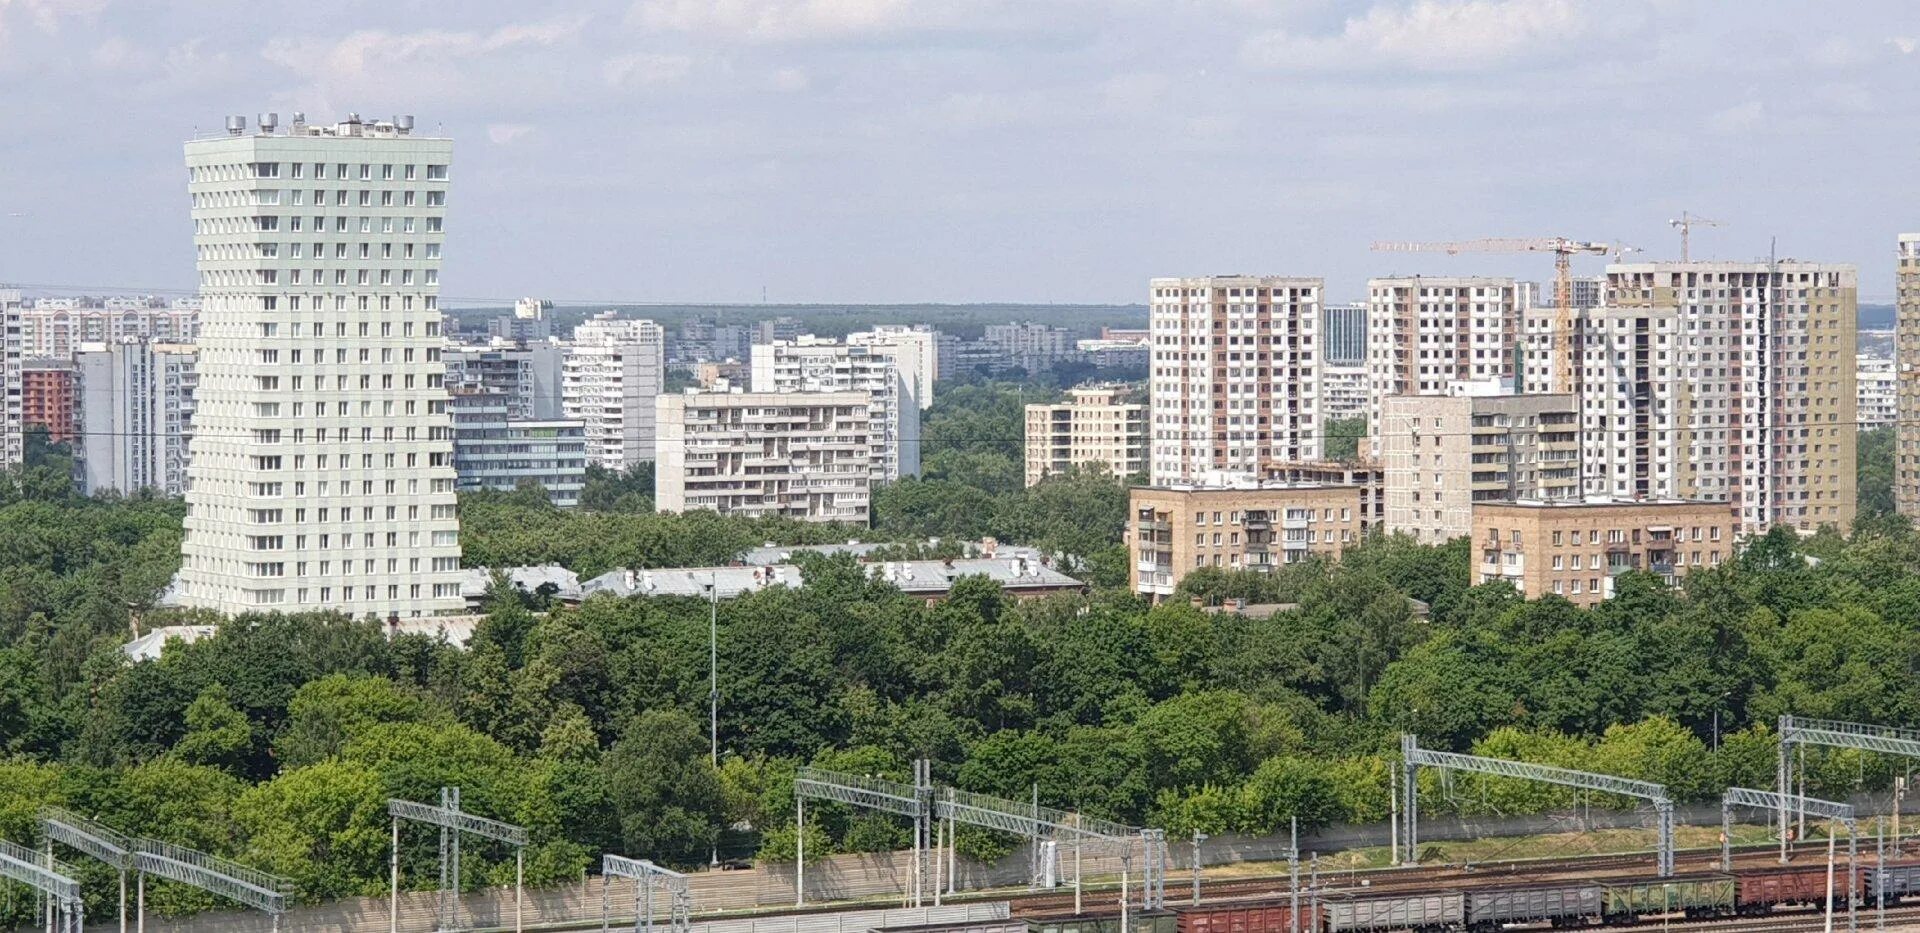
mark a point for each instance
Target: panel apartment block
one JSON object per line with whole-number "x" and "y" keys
{"x": 1725, "y": 381}
{"x": 1906, "y": 453}
{"x": 1575, "y": 548}
{"x": 1257, "y": 526}
{"x": 1095, "y": 426}
{"x": 1235, "y": 380}
{"x": 1427, "y": 334}
{"x": 321, "y": 474}
{"x": 803, "y": 455}
{"x": 1444, "y": 455}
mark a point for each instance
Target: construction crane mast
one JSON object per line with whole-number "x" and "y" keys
{"x": 1686, "y": 223}
{"x": 1563, "y": 250}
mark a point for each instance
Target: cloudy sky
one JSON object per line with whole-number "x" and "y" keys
{"x": 968, "y": 150}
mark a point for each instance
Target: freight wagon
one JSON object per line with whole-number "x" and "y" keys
{"x": 1431, "y": 911}
{"x": 1702, "y": 895}
{"x": 1255, "y": 917}
{"x": 1159, "y": 922}
{"x": 1900, "y": 880}
{"x": 1762, "y": 889}
{"x": 1566, "y": 903}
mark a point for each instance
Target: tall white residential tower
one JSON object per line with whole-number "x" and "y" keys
{"x": 1236, "y": 374}
{"x": 321, "y": 474}
{"x": 613, "y": 373}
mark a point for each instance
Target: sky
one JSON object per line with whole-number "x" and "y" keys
{"x": 988, "y": 150}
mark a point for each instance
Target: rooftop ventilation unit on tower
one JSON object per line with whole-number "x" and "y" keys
{"x": 236, "y": 125}
{"x": 268, "y": 123}
{"x": 404, "y": 122}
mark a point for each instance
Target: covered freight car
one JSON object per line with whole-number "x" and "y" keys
{"x": 1564, "y": 903}
{"x": 1703, "y": 895}
{"x": 1429, "y": 912}
{"x": 1247, "y": 917}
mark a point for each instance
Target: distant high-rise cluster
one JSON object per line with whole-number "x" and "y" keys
{"x": 1722, "y": 393}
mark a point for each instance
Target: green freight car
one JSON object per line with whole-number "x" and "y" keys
{"x": 1702, "y": 895}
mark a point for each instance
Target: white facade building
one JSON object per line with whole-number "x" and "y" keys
{"x": 321, "y": 474}
{"x": 1877, "y": 391}
{"x": 136, "y": 402}
{"x": 1425, "y": 334}
{"x": 1235, "y": 380}
{"x": 13, "y": 438}
{"x": 1718, "y": 381}
{"x": 802, "y": 455}
{"x": 811, "y": 364}
{"x": 1030, "y": 346}
{"x": 54, "y": 328}
{"x": 915, "y": 351}
{"x": 614, "y": 370}
{"x": 1344, "y": 391}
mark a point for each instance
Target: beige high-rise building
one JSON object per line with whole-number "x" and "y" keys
{"x": 1443, "y": 455}
{"x": 1574, "y": 548}
{"x": 1235, "y": 374}
{"x": 1095, "y": 425}
{"x": 1429, "y": 334}
{"x": 1718, "y": 381}
{"x": 1906, "y": 452}
{"x": 1246, "y": 525}
{"x": 804, "y": 455}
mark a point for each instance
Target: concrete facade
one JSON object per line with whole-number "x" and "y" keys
{"x": 1443, "y": 455}
{"x": 495, "y": 448}
{"x": 1732, "y": 381}
{"x": 1906, "y": 451}
{"x": 1235, "y": 380}
{"x": 13, "y": 445}
{"x": 1428, "y": 334}
{"x": 803, "y": 455}
{"x": 1574, "y": 548}
{"x": 813, "y": 364}
{"x": 1175, "y": 529}
{"x": 1877, "y": 395}
{"x": 321, "y": 474}
{"x": 1093, "y": 426}
{"x": 49, "y": 397}
{"x": 614, "y": 370}
{"x": 135, "y": 409}
{"x": 54, "y": 328}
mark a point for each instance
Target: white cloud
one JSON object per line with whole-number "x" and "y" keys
{"x": 773, "y": 21}
{"x": 645, "y": 70}
{"x": 45, "y": 15}
{"x": 502, "y": 134}
{"x": 369, "y": 51}
{"x": 790, "y": 80}
{"x": 1905, "y": 44}
{"x": 1740, "y": 118}
{"x": 1430, "y": 35}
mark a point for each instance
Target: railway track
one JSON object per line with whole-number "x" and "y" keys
{"x": 1100, "y": 898}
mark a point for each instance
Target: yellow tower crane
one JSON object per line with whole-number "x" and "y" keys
{"x": 1563, "y": 250}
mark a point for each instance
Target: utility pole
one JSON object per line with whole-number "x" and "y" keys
{"x": 713, "y": 687}
{"x": 1198, "y": 837}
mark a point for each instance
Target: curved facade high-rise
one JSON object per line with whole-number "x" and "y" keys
{"x": 321, "y": 474}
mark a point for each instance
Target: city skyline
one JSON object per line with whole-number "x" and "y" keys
{"x": 703, "y": 152}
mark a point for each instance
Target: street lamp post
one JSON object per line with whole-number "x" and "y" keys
{"x": 713, "y": 686}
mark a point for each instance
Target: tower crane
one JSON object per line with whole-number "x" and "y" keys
{"x": 1686, "y": 223}
{"x": 1563, "y": 250}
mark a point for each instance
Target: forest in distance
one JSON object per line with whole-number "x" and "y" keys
{"x": 277, "y": 741}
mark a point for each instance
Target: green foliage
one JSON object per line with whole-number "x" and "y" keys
{"x": 1343, "y": 435}
{"x": 1873, "y": 465}
{"x": 277, "y": 739}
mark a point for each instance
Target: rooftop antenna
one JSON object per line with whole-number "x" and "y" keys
{"x": 1686, "y": 223}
